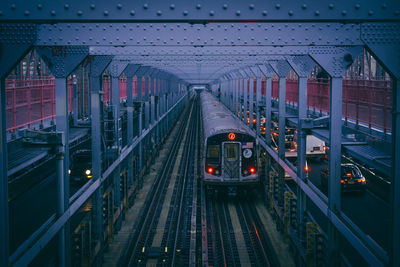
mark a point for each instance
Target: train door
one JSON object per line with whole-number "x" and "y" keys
{"x": 231, "y": 160}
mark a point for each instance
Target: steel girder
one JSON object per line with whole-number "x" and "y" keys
{"x": 180, "y": 10}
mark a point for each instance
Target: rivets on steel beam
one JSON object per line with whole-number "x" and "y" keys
{"x": 316, "y": 13}
{"x": 290, "y": 13}
{"x": 251, "y": 6}
{"x": 344, "y": 12}
{"x": 172, "y": 7}
{"x": 304, "y": 6}
{"x": 13, "y": 7}
{"x": 39, "y": 6}
{"x": 26, "y": 13}
{"x": 132, "y": 13}
{"x": 1, "y": 13}
{"x": 384, "y": 6}
{"x": 79, "y": 13}
{"x": 265, "y": 13}
{"x": 357, "y": 6}
{"x": 53, "y": 12}
{"x": 66, "y": 6}
{"x": 185, "y": 13}
{"x": 225, "y": 6}
{"x": 330, "y": 6}
{"x": 145, "y": 6}
{"x": 198, "y": 6}
{"x": 396, "y": 13}
{"x": 159, "y": 13}
{"x": 105, "y": 13}
{"x": 237, "y": 12}
{"x": 119, "y": 6}
{"x": 370, "y": 13}
{"x": 212, "y": 13}
{"x": 92, "y": 6}
{"x": 277, "y": 6}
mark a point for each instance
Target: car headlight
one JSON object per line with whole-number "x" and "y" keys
{"x": 69, "y": 171}
{"x": 88, "y": 172}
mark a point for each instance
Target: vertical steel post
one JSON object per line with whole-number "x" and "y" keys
{"x": 258, "y": 98}
{"x": 129, "y": 109}
{"x": 95, "y": 110}
{"x": 251, "y": 102}
{"x": 146, "y": 103}
{"x": 61, "y": 91}
{"x": 395, "y": 192}
{"x": 268, "y": 109}
{"x": 282, "y": 116}
{"x": 246, "y": 103}
{"x": 335, "y": 152}
{"x": 301, "y": 152}
{"x": 116, "y": 174}
{"x": 75, "y": 98}
{"x": 4, "y": 227}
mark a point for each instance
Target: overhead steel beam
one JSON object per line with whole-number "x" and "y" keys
{"x": 205, "y": 11}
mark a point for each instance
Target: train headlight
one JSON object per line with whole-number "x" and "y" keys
{"x": 88, "y": 172}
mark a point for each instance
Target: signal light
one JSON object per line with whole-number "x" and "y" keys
{"x": 231, "y": 136}
{"x": 210, "y": 170}
{"x": 306, "y": 168}
{"x": 252, "y": 170}
{"x": 254, "y": 120}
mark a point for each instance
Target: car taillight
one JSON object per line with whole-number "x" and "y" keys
{"x": 210, "y": 170}
{"x": 324, "y": 148}
{"x": 342, "y": 181}
{"x": 292, "y": 150}
{"x": 348, "y": 174}
{"x": 362, "y": 180}
{"x": 252, "y": 170}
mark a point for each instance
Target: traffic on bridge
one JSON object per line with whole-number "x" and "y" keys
{"x": 200, "y": 133}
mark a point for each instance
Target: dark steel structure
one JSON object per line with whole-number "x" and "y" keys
{"x": 223, "y": 46}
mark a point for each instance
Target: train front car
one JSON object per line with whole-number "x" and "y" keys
{"x": 230, "y": 149}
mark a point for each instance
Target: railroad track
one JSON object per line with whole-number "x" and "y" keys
{"x": 220, "y": 242}
{"x": 177, "y": 231}
{"x": 142, "y": 235}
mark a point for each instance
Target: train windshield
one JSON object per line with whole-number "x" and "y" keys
{"x": 213, "y": 152}
{"x": 231, "y": 150}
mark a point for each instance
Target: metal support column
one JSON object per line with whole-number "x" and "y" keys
{"x": 268, "y": 72}
{"x": 4, "y": 227}
{"x": 251, "y": 102}
{"x": 282, "y": 116}
{"x": 395, "y": 194}
{"x": 95, "y": 70}
{"x": 75, "y": 98}
{"x": 258, "y": 107}
{"x": 61, "y": 92}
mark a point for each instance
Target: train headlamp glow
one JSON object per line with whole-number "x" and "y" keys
{"x": 88, "y": 172}
{"x": 69, "y": 171}
{"x": 231, "y": 136}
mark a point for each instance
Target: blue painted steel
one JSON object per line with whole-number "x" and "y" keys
{"x": 4, "y": 227}
{"x": 395, "y": 192}
{"x": 74, "y": 207}
{"x": 206, "y": 11}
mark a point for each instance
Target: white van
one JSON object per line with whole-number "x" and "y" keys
{"x": 315, "y": 147}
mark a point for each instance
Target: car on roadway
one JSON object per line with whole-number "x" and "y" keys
{"x": 351, "y": 178}
{"x": 81, "y": 166}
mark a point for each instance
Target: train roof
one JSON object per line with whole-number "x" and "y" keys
{"x": 217, "y": 118}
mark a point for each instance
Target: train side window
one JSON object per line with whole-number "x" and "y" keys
{"x": 231, "y": 151}
{"x": 213, "y": 152}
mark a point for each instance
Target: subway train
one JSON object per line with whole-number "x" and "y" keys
{"x": 230, "y": 154}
